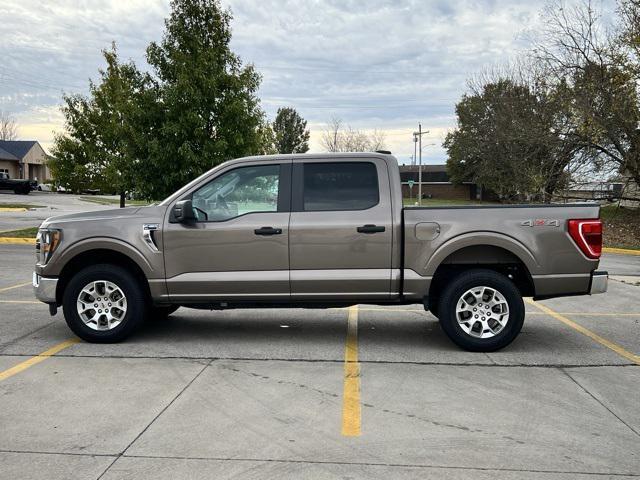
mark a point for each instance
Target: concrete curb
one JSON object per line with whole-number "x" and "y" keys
{"x": 12, "y": 209}
{"x": 628, "y": 279}
{"x": 621, "y": 251}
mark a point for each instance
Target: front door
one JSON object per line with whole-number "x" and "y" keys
{"x": 238, "y": 249}
{"x": 340, "y": 230}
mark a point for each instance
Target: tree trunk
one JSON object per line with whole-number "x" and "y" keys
{"x": 122, "y": 199}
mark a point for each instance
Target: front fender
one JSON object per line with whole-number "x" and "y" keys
{"x": 62, "y": 258}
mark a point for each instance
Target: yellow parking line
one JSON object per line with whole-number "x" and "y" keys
{"x": 622, "y": 251}
{"x": 585, "y": 331}
{"x": 37, "y": 359}
{"x": 13, "y": 209}
{"x": 17, "y": 240}
{"x": 14, "y": 286}
{"x": 351, "y": 396}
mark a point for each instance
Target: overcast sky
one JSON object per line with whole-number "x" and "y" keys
{"x": 384, "y": 64}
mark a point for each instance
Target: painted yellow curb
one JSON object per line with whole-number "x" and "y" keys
{"x": 12, "y": 209}
{"x": 17, "y": 241}
{"x": 621, "y": 251}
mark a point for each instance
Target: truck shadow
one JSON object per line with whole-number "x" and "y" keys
{"x": 282, "y": 331}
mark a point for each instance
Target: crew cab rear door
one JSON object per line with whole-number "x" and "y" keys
{"x": 340, "y": 231}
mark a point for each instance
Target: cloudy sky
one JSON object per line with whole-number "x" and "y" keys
{"x": 376, "y": 64}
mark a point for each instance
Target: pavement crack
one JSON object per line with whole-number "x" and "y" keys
{"x": 156, "y": 417}
{"x": 582, "y": 387}
{"x": 339, "y": 361}
{"x": 6, "y": 345}
{"x": 390, "y": 465}
{"x": 404, "y": 414}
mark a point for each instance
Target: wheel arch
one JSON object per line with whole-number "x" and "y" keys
{"x": 96, "y": 256}
{"x": 496, "y": 256}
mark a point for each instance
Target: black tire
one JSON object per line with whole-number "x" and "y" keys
{"x": 433, "y": 307}
{"x": 162, "y": 312}
{"x": 137, "y": 304}
{"x": 468, "y": 280}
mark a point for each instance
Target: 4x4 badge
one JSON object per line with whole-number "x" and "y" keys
{"x": 540, "y": 222}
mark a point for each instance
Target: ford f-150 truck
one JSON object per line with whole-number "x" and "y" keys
{"x": 315, "y": 230}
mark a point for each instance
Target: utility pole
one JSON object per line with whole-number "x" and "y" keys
{"x": 417, "y": 138}
{"x": 415, "y": 151}
{"x": 420, "y": 167}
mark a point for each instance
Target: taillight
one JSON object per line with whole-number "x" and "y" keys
{"x": 588, "y": 236}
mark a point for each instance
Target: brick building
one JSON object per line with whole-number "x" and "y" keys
{"x": 436, "y": 184}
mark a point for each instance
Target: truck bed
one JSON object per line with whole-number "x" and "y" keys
{"x": 535, "y": 236}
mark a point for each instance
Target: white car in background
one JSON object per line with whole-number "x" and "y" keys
{"x": 50, "y": 187}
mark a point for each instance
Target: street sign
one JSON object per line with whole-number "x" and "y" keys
{"x": 410, "y": 182}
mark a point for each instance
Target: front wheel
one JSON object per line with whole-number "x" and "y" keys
{"x": 104, "y": 304}
{"x": 481, "y": 310}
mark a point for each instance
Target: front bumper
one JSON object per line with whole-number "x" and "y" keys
{"x": 599, "y": 282}
{"x": 45, "y": 288}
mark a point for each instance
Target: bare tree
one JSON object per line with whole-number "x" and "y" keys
{"x": 335, "y": 138}
{"x": 599, "y": 68}
{"x": 8, "y": 126}
{"x": 330, "y": 135}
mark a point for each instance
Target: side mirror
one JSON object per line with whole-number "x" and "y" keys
{"x": 183, "y": 212}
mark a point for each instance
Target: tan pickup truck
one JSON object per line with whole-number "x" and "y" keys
{"x": 309, "y": 231}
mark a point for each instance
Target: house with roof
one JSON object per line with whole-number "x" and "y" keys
{"x": 24, "y": 159}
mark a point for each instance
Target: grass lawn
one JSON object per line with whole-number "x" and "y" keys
{"x": 19, "y": 205}
{"x": 114, "y": 201}
{"x": 22, "y": 233}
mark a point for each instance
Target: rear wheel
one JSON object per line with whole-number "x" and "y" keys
{"x": 481, "y": 310}
{"x": 104, "y": 304}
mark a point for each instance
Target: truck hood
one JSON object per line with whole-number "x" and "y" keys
{"x": 152, "y": 212}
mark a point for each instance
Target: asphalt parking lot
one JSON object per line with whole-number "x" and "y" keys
{"x": 366, "y": 392}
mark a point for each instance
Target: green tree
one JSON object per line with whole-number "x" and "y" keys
{"x": 267, "y": 139}
{"x": 210, "y": 109}
{"x": 509, "y": 140}
{"x": 291, "y": 133}
{"x": 103, "y": 145}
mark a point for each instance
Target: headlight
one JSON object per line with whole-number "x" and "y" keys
{"x": 47, "y": 241}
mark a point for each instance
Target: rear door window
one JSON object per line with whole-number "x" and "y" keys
{"x": 340, "y": 186}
